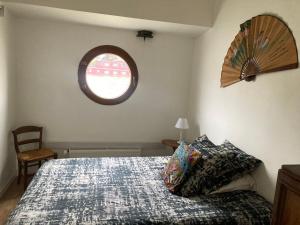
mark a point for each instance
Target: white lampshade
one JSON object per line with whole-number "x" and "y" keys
{"x": 182, "y": 123}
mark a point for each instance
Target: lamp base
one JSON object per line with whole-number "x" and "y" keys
{"x": 180, "y": 137}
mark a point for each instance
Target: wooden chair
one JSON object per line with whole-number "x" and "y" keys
{"x": 33, "y": 157}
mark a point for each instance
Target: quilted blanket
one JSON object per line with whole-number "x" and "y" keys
{"x": 126, "y": 191}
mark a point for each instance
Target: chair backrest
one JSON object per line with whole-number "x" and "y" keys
{"x": 27, "y": 129}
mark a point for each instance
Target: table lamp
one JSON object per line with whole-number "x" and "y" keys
{"x": 182, "y": 124}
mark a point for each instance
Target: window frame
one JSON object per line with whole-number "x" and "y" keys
{"x": 110, "y": 49}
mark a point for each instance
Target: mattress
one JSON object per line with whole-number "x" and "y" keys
{"x": 125, "y": 191}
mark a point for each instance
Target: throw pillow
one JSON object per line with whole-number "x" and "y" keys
{"x": 221, "y": 165}
{"x": 179, "y": 165}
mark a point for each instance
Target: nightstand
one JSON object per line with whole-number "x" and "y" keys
{"x": 286, "y": 205}
{"x": 170, "y": 143}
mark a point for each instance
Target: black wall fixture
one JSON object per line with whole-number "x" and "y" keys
{"x": 1, "y": 10}
{"x": 145, "y": 34}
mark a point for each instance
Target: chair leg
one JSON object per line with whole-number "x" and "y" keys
{"x": 25, "y": 175}
{"x": 19, "y": 172}
{"x": 40, "y": 163}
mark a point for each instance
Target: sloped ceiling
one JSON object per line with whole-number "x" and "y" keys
{"x": 189, "y": 17}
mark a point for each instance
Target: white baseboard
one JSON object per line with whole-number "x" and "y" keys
{"x": 6, "y": 186}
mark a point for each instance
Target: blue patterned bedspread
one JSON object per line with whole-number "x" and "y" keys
{"x": 126, "y": 191}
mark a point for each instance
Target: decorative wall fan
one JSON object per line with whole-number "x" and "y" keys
{"x": 264, "y": 44}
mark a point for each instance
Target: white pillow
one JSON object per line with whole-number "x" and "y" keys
{"x": 246, "y": 182}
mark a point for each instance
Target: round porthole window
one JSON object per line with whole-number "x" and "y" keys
{"x": 107, "y": 75}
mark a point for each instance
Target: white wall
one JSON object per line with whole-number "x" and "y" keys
{"x": 48, "y": 54}
{"x": 261, "y": 117}
{"x": 7, "y": 102}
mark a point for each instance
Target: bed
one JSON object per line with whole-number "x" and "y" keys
{"x": 125, "y": 191}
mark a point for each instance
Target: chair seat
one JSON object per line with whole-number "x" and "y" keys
{"x": 36, "y": 154}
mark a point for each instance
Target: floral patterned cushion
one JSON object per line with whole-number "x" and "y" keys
{"x": 205, "y": 146}
{"x": 179, "y": 165}
{"x": 219, "y": 166}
